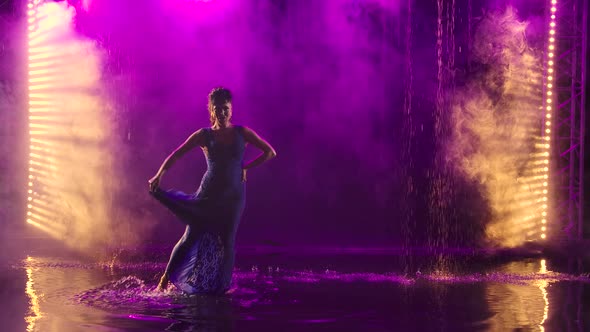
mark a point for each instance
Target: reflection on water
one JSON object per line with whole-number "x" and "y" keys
{"x": 523, "y": 305}
{"x": 543, "y": 287}
{"x": 34, "y": 312}
{"x": 69, "y": 295}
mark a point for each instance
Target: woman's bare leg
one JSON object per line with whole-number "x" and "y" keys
{"x": 176, "y": 257}
{"x": 163, "y": 282}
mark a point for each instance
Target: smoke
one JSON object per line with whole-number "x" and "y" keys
{"x": 73, "y": 179}
{"x": 497, "y": 128}
{"x": 323, "y": 81}
{"x": 319, "y": 80}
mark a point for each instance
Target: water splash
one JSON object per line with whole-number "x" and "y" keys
{"x": 128, "y": 293}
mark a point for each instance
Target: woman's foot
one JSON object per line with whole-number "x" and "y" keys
{"x": 163, "y": 282}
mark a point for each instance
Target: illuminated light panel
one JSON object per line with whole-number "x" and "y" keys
{"x": 43, "y": 142}
{"x": 50, "y": 118}
{"x": 40, "y": 203}
{"x": 41, "y": 64}
{"x": 45, "y": 56}
{"x": 548, "y": 109}
{"x": 42, "y": 103}
{"x": 35, "y": 125}
{"x": 63, "y": 70}
{"x": 39, "y": 216}
{"x": 42, "y": 87}
{"x": 40, "y": 95}
{"x": 36, "y": 72}
{"x": 40, "y": 49}
{"x": 42, "y": 210}
{"x": 38, "y": 173}
{"x": 43, "y": 110}
{"x": 44, "y": 159}
{"x": 43, "y": 79}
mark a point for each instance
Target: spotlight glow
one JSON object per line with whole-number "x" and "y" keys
{"x": 64, "y": 175}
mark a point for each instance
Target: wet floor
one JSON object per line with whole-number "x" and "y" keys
{"x": 45, "y": 290}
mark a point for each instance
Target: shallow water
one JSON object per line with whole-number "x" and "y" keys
{"x": 287, "y": 290}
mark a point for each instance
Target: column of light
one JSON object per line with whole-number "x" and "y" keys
{"x": 549, "y": 103}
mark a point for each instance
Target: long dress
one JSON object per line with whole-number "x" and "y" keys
{"x": 203, "y": 259}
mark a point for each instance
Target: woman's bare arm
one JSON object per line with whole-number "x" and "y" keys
{"x": 268, "y": 152}
{"x": 194, "y": 140}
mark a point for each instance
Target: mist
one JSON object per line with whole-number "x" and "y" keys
{"x": 497, "y": 137}
{"x": 384, "y": 115}
{"x": 316, "y": 79}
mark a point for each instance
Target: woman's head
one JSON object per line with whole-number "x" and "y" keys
{"x": 220, "y": 108}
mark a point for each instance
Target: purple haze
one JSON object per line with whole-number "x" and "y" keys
{"x": 323, "y": 81}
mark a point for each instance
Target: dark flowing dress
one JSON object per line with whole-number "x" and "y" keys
{"x": 203, "y": 259}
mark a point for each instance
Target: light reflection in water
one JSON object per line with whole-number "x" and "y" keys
{"x": 34, "y": 313}
{"x": 524, "y": 303}
{"x": 69, "y": 295}
{"x": 543, "y": 287}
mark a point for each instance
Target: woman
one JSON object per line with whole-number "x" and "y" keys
{"x": 202, "y": 261}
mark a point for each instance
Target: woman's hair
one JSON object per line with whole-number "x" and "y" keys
{"x": 218, "y": 95}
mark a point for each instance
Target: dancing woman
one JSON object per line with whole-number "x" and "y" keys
{"x": 203, "y": 259}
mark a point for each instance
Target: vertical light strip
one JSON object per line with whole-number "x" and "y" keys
{"x": 69, "y": 132}
{"x": 32, "y": 20}
{"x": 41, "y": 77}
{"x": 549, "y": 106}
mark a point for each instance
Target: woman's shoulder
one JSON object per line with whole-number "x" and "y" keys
{"x": 242, "y": 127}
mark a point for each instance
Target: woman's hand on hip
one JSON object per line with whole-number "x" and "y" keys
{"x": 154, "y": 182}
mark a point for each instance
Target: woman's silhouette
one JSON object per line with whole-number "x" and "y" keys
{"x": 202, "y": 261}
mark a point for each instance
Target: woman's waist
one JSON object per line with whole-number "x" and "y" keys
{"x": 223, "y": 190}
{"x": 223, "y": 180}
{"x": 221, "y": 173}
